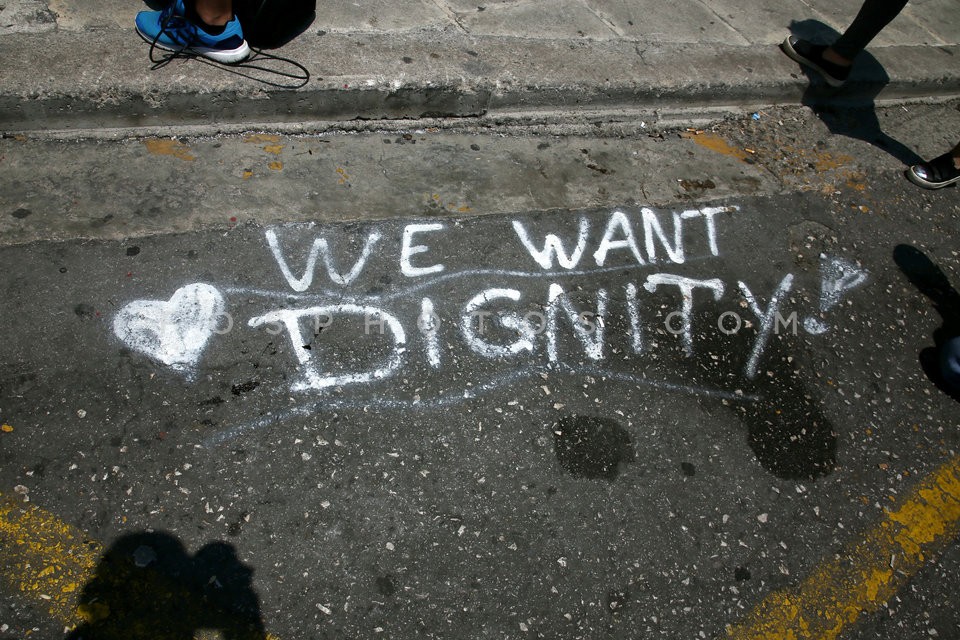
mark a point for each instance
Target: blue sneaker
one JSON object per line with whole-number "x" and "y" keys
{"x": 170, "y": 29}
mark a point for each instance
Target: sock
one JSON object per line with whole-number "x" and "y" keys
{"x": 194, "y": 17}
{"x": 213, "y": 30}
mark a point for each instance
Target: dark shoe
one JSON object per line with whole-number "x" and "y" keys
{"x": 936, "y": 174}
{"x": 811, "y": 55}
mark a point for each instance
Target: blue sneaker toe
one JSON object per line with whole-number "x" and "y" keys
{"x": 148, "y": 23}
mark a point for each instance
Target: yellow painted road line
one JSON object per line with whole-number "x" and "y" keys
{"x": 867, "y": 572}
{"x": 44, "y": 557}
{"x": 51, "y": 561}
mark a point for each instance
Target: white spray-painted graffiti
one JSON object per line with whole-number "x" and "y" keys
{"x": 176, "y": 332}
{"x": 838, "y": 277}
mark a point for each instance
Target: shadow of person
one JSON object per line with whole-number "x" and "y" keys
{"x": 851, "y": 110}
{"x": 787, "y": 428}
{"x": 930, "y": 280}
{"x": 147, "y": 586}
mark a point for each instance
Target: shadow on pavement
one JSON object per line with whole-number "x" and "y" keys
{"x": 930, "y": 280}
{"x": 850, "y": 110}
{"x": 787, "y": 429}
{"x": 148, "y": 586}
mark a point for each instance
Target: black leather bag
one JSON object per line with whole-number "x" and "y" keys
{"x": 271, "y": 23}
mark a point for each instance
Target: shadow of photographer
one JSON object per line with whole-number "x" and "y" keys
{"x": 148, "y": 586}
{"x": 851, "y": 110}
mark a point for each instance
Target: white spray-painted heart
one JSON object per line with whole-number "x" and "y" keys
{"x": 175, "y": 331}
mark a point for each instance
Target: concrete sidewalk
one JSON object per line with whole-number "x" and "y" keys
{"x": 77, "y": 64}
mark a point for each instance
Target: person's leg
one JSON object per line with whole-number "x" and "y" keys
{"x": 214, "y": 13}
{"x": 940, "y": 172}
{"x": 873, "y": 16}
{"x": 834, "y": 62}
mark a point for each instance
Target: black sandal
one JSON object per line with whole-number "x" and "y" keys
{"x": 936, "y": 174}
{"x": 811, "y": 55}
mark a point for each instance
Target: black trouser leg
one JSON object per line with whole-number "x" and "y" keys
{"x": 874, "y": 15}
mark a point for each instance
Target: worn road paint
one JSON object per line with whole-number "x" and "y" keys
{"x": 867, "y": 572}
{"x": 829, "y": 161}
{"x": 715, "y": 143}
{"x": 46, "y": 558}
{"x": 169, "y": 147}
{"x": 829, "y": 172}
{"x": 262, "y": 138}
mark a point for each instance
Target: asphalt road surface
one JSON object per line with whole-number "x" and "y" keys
{"x": 480, "y": 384}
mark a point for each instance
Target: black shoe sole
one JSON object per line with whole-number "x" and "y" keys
{"x": 787, "y": 47}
